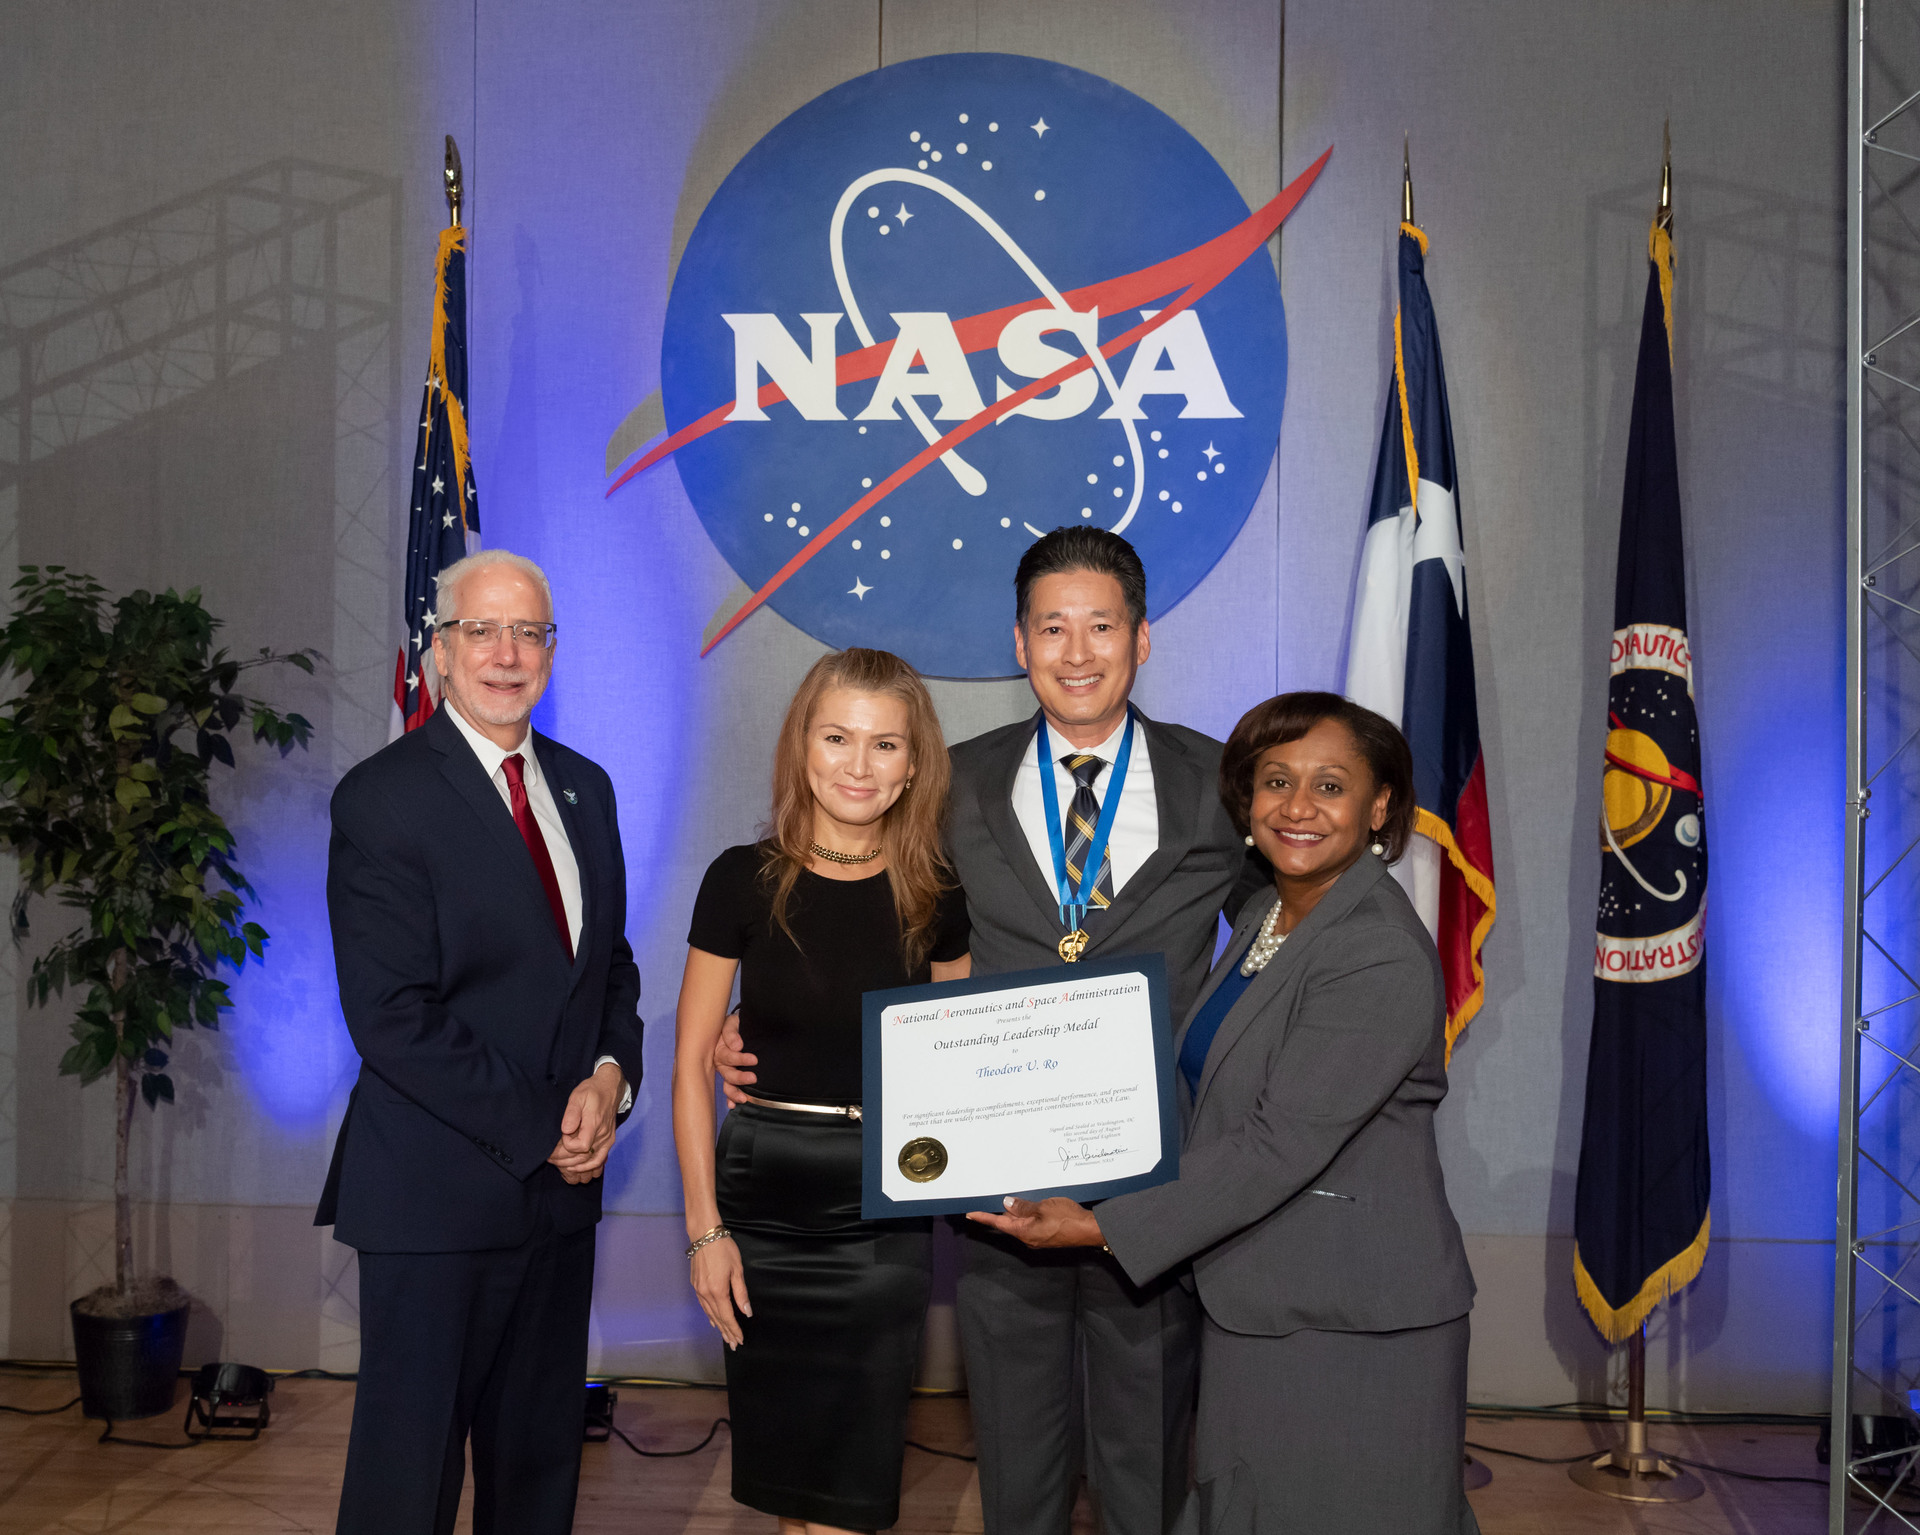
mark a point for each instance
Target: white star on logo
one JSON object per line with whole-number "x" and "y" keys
{"x": 859, "y": 589}
{"x": 1212, "y": 453}
{"x": 447, "y": 520}
{"x": 1039, "y": 128}
{"x": 438, "y": 484}
{"x": 903, "y": 215}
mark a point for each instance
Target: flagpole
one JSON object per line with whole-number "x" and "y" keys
{"x": 455, "y": 194}
{"x": 1632, "y": 1472}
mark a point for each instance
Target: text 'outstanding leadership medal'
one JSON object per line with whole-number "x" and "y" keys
{"x": 1074, "y": 904}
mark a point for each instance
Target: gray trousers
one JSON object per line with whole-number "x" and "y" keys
{"x": 1033, "y": 1325}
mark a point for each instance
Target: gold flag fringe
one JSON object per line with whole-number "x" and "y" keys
{"x": 1400, "y": 382}
{"x": 1430, "y": 826}
{"x": 451, "y": 239}
{"x": 1617, "y": 1325}
{"x": 1660, "y": 253}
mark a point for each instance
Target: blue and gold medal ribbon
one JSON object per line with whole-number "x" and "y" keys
{"x": 1074, "y": 902}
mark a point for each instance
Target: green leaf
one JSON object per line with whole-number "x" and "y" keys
{"x": 122, "y": 718}
{"x": 148, "y": 703}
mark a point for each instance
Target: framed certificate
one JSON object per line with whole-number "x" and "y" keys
{"x": 1053, "y": 1081}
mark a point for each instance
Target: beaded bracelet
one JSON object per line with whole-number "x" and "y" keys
{"x": 712, "y": 1236}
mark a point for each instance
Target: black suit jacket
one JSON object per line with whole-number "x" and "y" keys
{"x": 1172, "y": 905}
{"x": 472, "y": 1027}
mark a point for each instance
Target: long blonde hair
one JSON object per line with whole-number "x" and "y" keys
{"x": 909, "y": 831}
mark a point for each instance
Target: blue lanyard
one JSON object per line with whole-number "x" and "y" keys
{"x": 1073, "y": 908}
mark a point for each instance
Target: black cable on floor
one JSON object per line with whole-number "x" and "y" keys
{"x": 39, "y": 1412}
{"x": 1538, "y": 1460}
{"x": 718, "y": 1423}
{"x": 1695, "y": 1465}
{"x": 915, "y": 1444}
{"x": 108, "y": 1436}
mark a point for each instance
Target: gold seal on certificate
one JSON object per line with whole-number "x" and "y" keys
{"x": 923, "y": 1159}
{"x": 1054, "y": 1080}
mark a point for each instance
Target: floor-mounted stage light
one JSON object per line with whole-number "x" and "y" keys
{"x": 229, "y": 1401}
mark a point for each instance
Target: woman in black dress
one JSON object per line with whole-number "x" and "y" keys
{"x": 821, "y": 1311}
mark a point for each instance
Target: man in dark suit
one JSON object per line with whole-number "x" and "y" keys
{"x": 477, "y": 893}
{"x": 1033, "y": 1324}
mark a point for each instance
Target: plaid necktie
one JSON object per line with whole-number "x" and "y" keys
{"x": 1082, "y": 817}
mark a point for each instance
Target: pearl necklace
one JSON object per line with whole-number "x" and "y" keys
{"x": 1265, "y": 945}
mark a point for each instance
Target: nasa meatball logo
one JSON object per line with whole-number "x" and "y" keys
{"x": 947, "y": 307}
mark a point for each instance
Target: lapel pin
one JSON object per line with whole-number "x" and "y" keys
{"x": 571, "y": 798}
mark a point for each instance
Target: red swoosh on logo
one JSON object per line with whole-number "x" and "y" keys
{"x": 1199, "y": 271}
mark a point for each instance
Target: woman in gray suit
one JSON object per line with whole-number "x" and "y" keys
{"x": 1310, "y": 1200}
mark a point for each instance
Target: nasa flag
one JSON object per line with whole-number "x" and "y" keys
{"x": 1411, "y": 657}
{"x": 1640, "y": 1209}
{"x": 444, "y": 517}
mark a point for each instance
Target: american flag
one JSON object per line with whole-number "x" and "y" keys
{"x": 445, "y": 522}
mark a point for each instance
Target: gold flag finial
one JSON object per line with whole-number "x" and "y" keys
{"x": 454, "y": 196}
{"x": 1406, "y": 179}
{"x": 1664, "y": 217}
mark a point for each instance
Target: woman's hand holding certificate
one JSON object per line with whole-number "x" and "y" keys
{"x": 1046, "y": 1082}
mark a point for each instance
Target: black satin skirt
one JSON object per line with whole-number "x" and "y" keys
{"x": 818, "y": 1389}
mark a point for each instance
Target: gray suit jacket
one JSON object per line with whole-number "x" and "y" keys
{"x": 1171, "y": 905}
{"x": 1310, "y": 1192}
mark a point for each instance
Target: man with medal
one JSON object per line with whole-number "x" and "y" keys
{"x": 1117, "y": 845}
{"x": 1120, "y": 846}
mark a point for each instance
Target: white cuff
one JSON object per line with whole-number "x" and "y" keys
{"x": 626, "y": 1087}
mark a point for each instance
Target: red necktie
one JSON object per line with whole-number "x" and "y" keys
{"x": 515, "y": 768}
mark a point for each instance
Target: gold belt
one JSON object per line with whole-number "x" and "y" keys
{"x": 845, "y": 1111}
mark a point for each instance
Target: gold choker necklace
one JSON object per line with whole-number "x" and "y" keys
{"x": 832, "y": 857}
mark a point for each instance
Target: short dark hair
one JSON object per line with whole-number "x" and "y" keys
{"x": 1292, "y": 715}
{"x": 1094, "y": 549}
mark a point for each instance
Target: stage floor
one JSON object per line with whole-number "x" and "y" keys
{"x": 53, "y": 1477}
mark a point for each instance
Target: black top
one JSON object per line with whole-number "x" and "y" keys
{"x": 800, "y": 1007}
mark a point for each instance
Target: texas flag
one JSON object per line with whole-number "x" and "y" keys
{"x": 1411, "y": 655}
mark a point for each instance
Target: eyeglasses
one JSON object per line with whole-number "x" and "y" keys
{"x": 486, "y": 632}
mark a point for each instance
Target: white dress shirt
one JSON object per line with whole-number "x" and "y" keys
{"x": 1135, "y": 836}
{"x": 566, "y": 868}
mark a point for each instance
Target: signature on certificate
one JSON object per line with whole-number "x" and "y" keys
{"x": 1085, "y": 1155}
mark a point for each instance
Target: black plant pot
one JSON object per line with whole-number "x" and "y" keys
{"x": 129, "y": 1365}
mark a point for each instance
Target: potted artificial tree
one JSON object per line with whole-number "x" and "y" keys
{"x": 117, "y": 714}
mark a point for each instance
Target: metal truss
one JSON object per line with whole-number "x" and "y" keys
{"x": 1875, "y": 1429}
{"x": 133, "y": 319}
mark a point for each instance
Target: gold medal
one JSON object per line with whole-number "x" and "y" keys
{"x": 923, "y": 1159}
{"x": 1074, "y": 945}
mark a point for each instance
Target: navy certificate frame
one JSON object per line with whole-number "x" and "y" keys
{"x": 877, "y": 1205}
